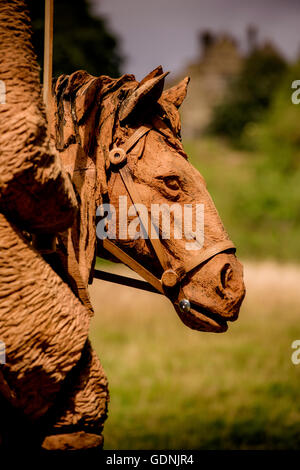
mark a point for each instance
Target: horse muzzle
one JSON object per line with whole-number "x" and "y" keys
{"x": 212, "y": 296}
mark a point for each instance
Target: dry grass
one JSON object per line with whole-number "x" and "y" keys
{"x": 272, "y": 284}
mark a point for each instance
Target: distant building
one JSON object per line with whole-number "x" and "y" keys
{"x": 219, "y": 64}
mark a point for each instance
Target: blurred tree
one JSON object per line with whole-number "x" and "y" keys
{"x": 277, "y": 137}
{"x": 271, "y": 203}
{"x": 251, "y": 93}
{"x": 80, "y": 40}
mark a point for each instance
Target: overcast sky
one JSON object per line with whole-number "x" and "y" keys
{"x": 154, "y": 32}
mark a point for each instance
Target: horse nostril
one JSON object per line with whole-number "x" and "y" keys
{"x": 226, "y": 274}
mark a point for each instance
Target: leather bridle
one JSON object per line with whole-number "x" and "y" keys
{"x": 170, "y": 278}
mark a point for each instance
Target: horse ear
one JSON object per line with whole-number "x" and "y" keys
{"x": 155, "y": 73}
{"x": 148, "y": 92}
{"x": 177, "y": 93}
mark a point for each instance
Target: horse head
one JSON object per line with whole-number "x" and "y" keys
{"x": 122, "y": 147}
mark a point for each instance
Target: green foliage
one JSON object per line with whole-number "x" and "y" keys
{"x": 257, "y": 201}
{"x": 257, "y": 190}
{"x": 80, "y": 40}
{"x": 250, "y": 94}
{"x": 275, "y": 202}
{"x": 278, "y": 136}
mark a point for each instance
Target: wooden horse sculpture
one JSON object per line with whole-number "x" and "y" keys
{"x": 118, "y": 137}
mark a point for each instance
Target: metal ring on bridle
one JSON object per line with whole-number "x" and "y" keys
{"x": 117, "y": 155}
{"x": 169, "y": 278}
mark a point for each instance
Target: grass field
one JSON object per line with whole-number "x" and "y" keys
{"x": 174, "y": 388}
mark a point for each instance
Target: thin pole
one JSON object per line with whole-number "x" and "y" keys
{"x": 46, "y": 243}
{"x": 48, "y": 52}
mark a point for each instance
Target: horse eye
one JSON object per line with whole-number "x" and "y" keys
{"x": 172, "y": 183}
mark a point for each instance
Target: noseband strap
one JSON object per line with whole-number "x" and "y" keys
{"x": 170, "y": 278}
{"x": 208, "y": 253}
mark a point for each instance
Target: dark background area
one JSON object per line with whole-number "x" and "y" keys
{"x": 80, "y": 40}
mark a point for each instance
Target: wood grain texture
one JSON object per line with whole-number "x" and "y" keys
{"x": 43, "y": 324}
